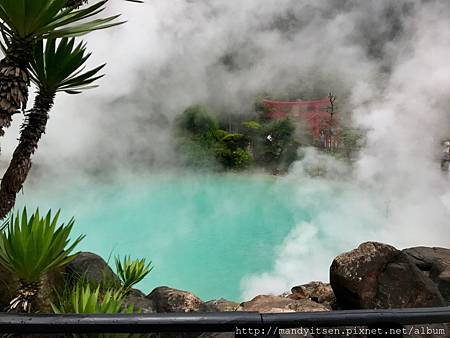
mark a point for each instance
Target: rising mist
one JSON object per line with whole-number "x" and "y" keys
{"x": 387, "y": 62}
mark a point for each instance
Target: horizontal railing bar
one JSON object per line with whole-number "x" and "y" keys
{"x": 360, "y": 317}
{"x": 213, "y": 322}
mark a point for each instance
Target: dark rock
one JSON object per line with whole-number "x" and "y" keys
{"x": 52, "y": 286}
{"x": 435, "y": 264}
{"x": 278, "y": 304}
{"x": 222, "y": 305}
{"x": 377, "y": 275}
{"x": 316, "y": 291}
{"x": 93, "y": 269}
{"x": 167, "y": 299}
{"x": 139, "y": 301}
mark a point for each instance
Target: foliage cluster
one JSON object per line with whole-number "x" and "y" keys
{"x": 204, "y": 144}
{"x": 32, "y": 246}
{"x": 273, "y": 143}
{"x": 83, "y": 299}
{"x": 267, "y": 143}
{"x": 352, "y": 141}
{"x": 131, "y": 272}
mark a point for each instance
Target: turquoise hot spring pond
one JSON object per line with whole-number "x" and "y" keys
{"x": 203, "y": 233}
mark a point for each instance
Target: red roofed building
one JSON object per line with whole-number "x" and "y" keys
{"x": 317, "y": 114}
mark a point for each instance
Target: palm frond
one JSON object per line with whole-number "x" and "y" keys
{"x": 60, "y": 66}
{"x": 38, "y": 19}
{"x": 31, "y": 246}
{"x": 131, "y": 272}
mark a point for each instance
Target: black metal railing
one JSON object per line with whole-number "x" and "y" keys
{"x": 216, "y": 322}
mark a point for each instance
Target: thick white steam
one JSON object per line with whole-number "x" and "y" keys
{"x": 386, "y": 60}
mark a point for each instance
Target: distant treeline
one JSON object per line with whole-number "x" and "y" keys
{"x": 203, "y": 141}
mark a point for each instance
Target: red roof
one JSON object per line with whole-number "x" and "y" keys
{"x": 315, "y": 112}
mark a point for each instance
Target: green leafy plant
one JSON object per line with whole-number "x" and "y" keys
{"x": 196, "y": 119}
{"x": 270, "y": 151}
{"x": 32, "y": 246}
{"x": 83, "y": 299}
{"x": 251, "y": 126}
{"x": 233, "y": 159}
{"x": 58, "y": 66}
{"x": 131, "y": 272}
{"x": 352, "y": 141}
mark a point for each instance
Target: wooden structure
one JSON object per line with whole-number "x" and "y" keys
{"x": 319, "y": 115}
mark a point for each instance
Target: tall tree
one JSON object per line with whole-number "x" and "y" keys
{"x": 55, "y": 67}
{"x": 24, "y": 23}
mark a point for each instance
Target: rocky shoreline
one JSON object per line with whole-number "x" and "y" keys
{"x": 372, "y": 276}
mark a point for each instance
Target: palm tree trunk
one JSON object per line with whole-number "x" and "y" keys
{"x": 25, "y": 297}
{"x": 19, "y": 167}
{"x": 14, "y": 80}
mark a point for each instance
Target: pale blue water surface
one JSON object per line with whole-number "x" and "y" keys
{"x": 204, "y": 233}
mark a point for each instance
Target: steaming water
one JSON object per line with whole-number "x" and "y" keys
{"x": 204, "y": 234}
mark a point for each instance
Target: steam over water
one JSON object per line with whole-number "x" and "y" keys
{"x": 237, "y": 236}
{"x": 212, "y": 234}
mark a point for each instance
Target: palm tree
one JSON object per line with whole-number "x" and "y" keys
{"x": 31, "y": 247}
{"x": 23, "y": 23}
{"x": 55, "y": 67}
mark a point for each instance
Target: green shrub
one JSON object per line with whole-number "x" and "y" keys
{"x": 251, "y": 126}
{"x": 282, "y": 131}
{"x": 220, "y": 134}
{"x": 281, "y": 149}
{"x": 131, "y": 272}
{"x": 197, "y": 153}
{"x": 83, "y": 299}
{"x": 30, "y": 247}
{"x": 233, "y": 159}
{"x": 196, "y": 120}
{"x": 352, "y": 141}
{"x": 235, "y": 141}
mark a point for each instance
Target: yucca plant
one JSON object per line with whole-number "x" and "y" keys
{"x": 55, "y": 67}
{"x": 131, "y": 272}
{"x": 32, "y": 246}
{"x": 83, "y": 299}
{"x": 23, "y": 23}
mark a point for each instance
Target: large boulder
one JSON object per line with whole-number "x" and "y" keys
{"x": 92, "y": 268}
{"x": 52, "y": 286}
{"x": 222, "y": 305}
{"x": 318, "y": 292}
{"x": 435, "y": 264}
{"x": 377, "y": 275}
{"x": 166, "y": 299}
{"x": 139, "y": 301}
{"x": 278, "y": 304}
